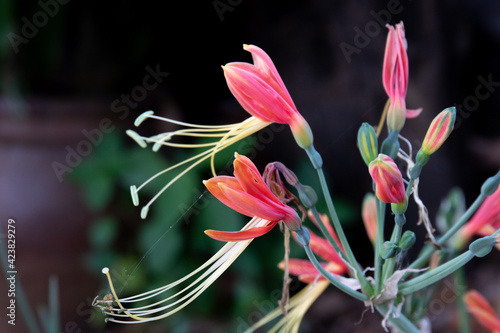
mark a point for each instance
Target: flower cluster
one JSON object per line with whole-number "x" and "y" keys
{"x": 266, "y": 199}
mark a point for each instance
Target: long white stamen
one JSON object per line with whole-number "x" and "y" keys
{"x": 212, "y": 269}
{"x": 226, "y": 135}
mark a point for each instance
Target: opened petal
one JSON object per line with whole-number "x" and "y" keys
{"x": 246, "y": 204}
{"x": 236, "y": 236}
{"x": 251, "y": 181}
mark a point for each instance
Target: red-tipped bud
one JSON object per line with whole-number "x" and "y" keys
{"x": 388, "y": 180}
{"x": 439, "y": 130}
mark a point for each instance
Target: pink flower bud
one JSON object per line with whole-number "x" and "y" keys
{"x": 439, "y": 130}
{"x": 389, "y": 186}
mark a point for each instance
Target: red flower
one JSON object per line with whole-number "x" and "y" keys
{"x": 247, "y": 194}
{"x": 261, "y": 92}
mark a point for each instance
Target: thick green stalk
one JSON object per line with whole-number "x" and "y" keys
{"x": 463, "y": 315}
{"x": 488, "y": 187}
{"x": 427, "y": 251}
{"x": 436, "y": 274}
{"x": 317, "y": 163}
{"x": 390, "y": 263}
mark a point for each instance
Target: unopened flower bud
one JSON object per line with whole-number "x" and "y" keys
{"x": 482, "y": 246}
{"x": 388, "y": 180}
{"x": 389, "y": 250}
{"x": 439, "y": 130}
{"x": 367, "y": 143}
{"x": 407, "y": 240}
{"x": 307, "y": 196}
{"x": 491, "y": 185}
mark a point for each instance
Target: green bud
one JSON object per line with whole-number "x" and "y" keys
{"x": 490, "y": 185}
{"x": 367, "y": 143}
{"x": 407, "y": 240}
{"x": 482, "y": 246}
{"x": 307, "y": 196}
{"x": 389, "y": 250}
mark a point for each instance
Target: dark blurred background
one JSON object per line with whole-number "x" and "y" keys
{"x": 67, "y": 67}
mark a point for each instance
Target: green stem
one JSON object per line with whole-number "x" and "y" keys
{"x": 379, "y": 244}
{"x": 427, "y": 251}
{"x": 351, "y": 259}
{"x": 401, "y": 321}
{"x": 435, "y": 274}
{"x": 330, "y": 278}
{"x": 327, "y": 234}
{"x": 410, "y": 187}
{"x": 460, "y": 287}
{"x": 395, "y": 238}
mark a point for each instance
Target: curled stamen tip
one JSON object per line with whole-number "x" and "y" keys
{"x": 142, "y": 117}
{"x": 144, "y": 212}
{"x": 105, "y": 270}
{"x": 157, "y": 146}
{"x": 133, "y": 194}
{"x": 137, "y": 138}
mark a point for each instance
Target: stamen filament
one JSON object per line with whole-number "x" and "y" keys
{"x": 214, "y": 267}
{"x": 233, "y": 133}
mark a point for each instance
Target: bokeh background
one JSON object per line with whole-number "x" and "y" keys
{"x": 67, "y": 67}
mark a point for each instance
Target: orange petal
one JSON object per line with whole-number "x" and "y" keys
{"x": 236, "y": 236}
{"x": 250, "y": 179}
{"x": 481, "y": 310}
{"x": 212, "y": 186}
{"x": 246, "y": 204}
{"x": 324, "y": 249}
